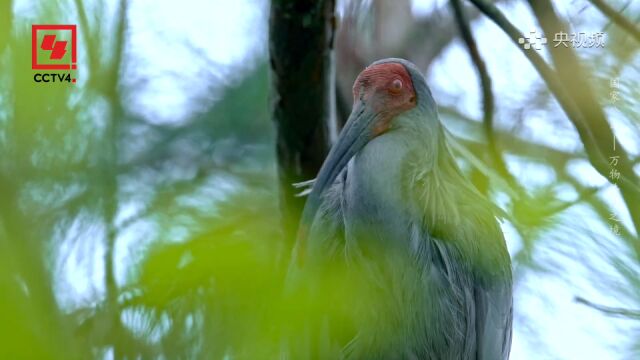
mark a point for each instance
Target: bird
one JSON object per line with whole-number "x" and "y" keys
{"x": 391, "y": 202}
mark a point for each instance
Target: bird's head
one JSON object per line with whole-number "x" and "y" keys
{"x": 383, "y": 92}
{"x": 388, "y": 94}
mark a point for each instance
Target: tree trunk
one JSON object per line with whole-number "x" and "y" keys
{"x": 301, "y": 34}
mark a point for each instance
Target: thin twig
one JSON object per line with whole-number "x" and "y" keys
{"x": 512, "y": 143}
{"x": 547, "y": 73}
{"x": 87, "y": 35}
{"x": 583, "y": 194}
{"x": 617, "y": 18}
{"x": 604, "y": 211}
{"x": 110, "y": 205}
{"x": 613, "y": 311}
{"x": 488, "y": 103}
{"x": 116, "y": 64}
{"x": 622, "y": 9}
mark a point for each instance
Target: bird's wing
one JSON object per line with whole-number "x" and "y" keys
{"x": 326, "y": 233}
{"x": 451, "y": 309}
{"x": 494, "y": 315}
{"x": 492, "y": 287}
{"x": 492, "y": 293}
{"x": 482, "y": 291}
{"x": 321, "y": 241}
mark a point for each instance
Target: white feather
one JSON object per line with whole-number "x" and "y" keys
{"x": 306, "y": 187}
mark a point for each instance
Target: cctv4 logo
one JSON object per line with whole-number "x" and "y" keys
{"x": 53, "y": 47}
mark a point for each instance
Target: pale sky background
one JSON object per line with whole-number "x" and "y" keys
{"x": 548, "y": 323}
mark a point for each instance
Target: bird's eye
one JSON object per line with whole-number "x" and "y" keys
{"x": 396, "y": 86}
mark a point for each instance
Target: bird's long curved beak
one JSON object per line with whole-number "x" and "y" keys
{"x": 355, "y": 134}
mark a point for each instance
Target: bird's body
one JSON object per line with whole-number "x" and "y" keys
{"x": 397, "y": 208}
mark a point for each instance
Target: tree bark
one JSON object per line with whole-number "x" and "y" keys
{"x": 301, "y": 34}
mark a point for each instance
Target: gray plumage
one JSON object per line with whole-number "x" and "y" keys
{"x": 402, "y": 213}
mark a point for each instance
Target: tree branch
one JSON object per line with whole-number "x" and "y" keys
{"x": 437, "y": 22}
{"x": 594, "y": 146}
{"x": 87, "y": 36}
{"x": 572, "y": 76}
{"x": 604, "y": 212}
{"x": 488, "y": 103}
{"x": 108, "y": 85}
{"x": 617, "y": 18}
{"x": 512, "y": 143}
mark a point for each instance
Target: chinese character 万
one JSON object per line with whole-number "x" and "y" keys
{"x": 613, "y": 160}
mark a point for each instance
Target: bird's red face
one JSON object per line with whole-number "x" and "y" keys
{"x": 387, "y": 88}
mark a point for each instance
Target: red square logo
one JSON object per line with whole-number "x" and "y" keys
{"x": 53, "y": 47}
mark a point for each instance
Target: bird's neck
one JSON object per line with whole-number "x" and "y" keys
{"x": 382, "y": 175}
{"x": 407, "y": 171}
